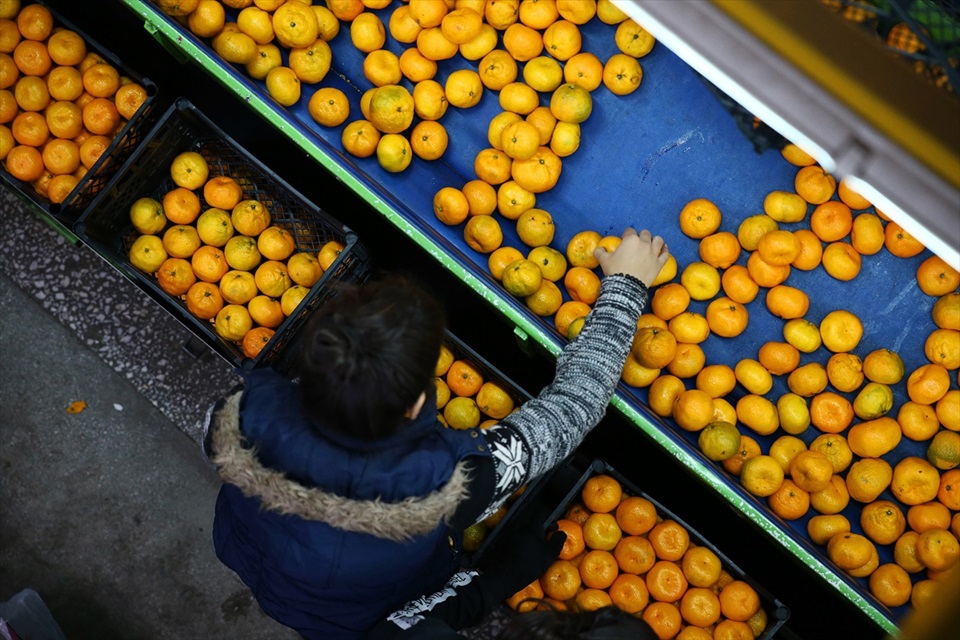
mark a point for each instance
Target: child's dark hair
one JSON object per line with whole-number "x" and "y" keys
{"x": 367, "y": 355}
{"x": 606, "y": 623}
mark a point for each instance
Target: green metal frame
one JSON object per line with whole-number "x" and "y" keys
{"x": 183, "y": 49}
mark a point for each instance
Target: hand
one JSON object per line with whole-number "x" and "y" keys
{"x": 639, "y": 255}
{"x": 524, "y": 550}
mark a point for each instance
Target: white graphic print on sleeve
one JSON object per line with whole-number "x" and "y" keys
{"x": 510, "y": 457}
{"x": 409, "y": 615}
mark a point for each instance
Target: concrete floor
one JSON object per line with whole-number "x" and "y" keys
{"x": 106, "y": 513}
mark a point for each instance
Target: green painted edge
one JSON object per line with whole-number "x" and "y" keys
{"x": 758, "y": 517}
{"x": 156, "y": 23}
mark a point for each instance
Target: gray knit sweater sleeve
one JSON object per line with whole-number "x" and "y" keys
{"x": 548, "y": 428}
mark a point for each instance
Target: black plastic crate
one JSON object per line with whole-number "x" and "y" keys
{"x": 121, "y": 146}
{"x": 561, "y": 489}
{"x": 106, "y": 226}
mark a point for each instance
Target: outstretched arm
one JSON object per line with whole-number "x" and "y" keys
{"x": 549, "y": 427}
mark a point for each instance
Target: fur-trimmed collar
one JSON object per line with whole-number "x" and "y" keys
{"x": 397, "y": 521}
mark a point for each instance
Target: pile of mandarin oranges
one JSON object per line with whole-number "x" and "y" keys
{"x": 828, "y": 450}
{"x": 221, "y": 253}
{"x": 61, "y": 104}
{"x": 622, "y": 550}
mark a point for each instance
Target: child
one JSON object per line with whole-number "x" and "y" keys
{"x": 343, "y": 496}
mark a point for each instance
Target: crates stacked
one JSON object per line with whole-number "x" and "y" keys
{"x": 115, "y": 146}
{"x": 106, "y": 225}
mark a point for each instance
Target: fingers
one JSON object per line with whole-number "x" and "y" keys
{"x": 629, "y": 231}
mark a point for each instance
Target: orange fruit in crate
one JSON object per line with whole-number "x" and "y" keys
{"x": 188, "y": 169}
{"x": 461, "y": 413}
{"x": 272, "y": 279}
{"x": 522, "y": 42}
{"x": 561, "y": 581}
{"x": 329, "y": 252}
{"x": 101, "y": 80}
{"x": 255, "y": 340}
{"x": 463, "y": 378}
{"x": 739, "y": 601}
{"x": 833, "y": 499}
{"x": 571, "y": 103}
{"x": 146, "y": 215}
{"x": 147, "y": 253}
{"x": 700, "y": 607}
{"x": 242, "y": 253}
{"x": 546, "y": 300}
{"x": 92, "y": 148}
{"x": 304, "y": 269}
{"x": 233, "y": 322}
{"x": 835, "y": 447}
{"x": 873, "y": 402}
{"x": 574, "y": 544}
{"x": 845, "y": 371}
{"x": 664, "y": 618}
{"x": 204, "y": 300}
{"x": 222, "y": 192}
{"x": 811, "y": 470}
{"x": 669, "y": 539}
{"x": 758, "y": 413}
{"x": 883, "y": 366}
{"x": 726, "y": 318}
{"x": 754, "y": 377}
{"x": 544, "y": 122}
{"x": 32, "y": 58}
{"x": 600, "y": 531}
{"x": 634, "y": 373}
{"x": 402, "y": 26}
{"x": 598, "y": 569}
{"x": 634, "y": 554}
{"x": 622, "y": 74}
{"x": 720, "y": 249}
{"x": 519, "y": 98}
{"x": 209, "y": 264}
{"x": 701, "y": 566}
{"x": 30, "y": 128}
{"x": 100, "y": 116}
{"x": 569, "y": 312}
{"x": 670, "y": 300}
{"x": 494, "y": 400}
{"x": 175, "y": 276}
{"x": 831, "y": 412}
{"x": 522, "y": 278}
{"x": 461, "y": 25}
{"x": 64, "y": 120}
{"x": 266, "y": 311}
{"x": 394, "y": 152}
{"x": 949, "y": 491}
{"x": 519, "y": 139}
{"x": 900, "y": 242}
{"x": 444, "y": 360}
{"x": 663, "y": 393}
{"x": 181, "y": 241}
{"x": 636, "y": 515}
{"x": 601, "y": 493}
{"x": 785, "y": 206}
{"x": 463, "y": 88}
{"x": 592, "y": 599}
{"x": 181, "y": 205}
{"x": 552, "y": 263}
{"x": 666, "y": 582}
{"x": 629, "y": 593}
{"x": 526, "y": 599}
{"x": 60, "y": 186}
{"x": 292, "y": 298}
{"x": 276, "y": 243}
{"x": 434, "y": 45}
